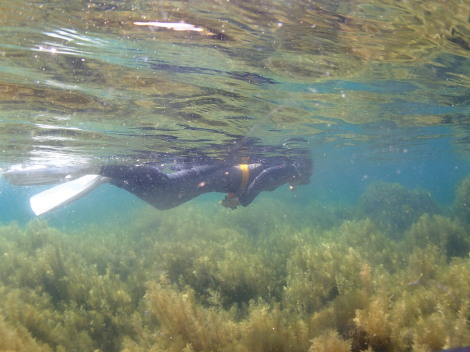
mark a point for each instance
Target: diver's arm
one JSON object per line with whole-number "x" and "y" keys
{"x": 268, "y": 180}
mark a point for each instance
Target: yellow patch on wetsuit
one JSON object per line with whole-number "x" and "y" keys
{"x": 245, "y": 175}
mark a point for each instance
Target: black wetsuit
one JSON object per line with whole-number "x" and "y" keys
{"x": 168, "y": 190}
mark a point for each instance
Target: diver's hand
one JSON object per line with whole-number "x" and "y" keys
{"x": 230, "y": 202}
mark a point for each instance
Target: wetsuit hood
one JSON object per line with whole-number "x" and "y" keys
{"x": 304, "y": 168}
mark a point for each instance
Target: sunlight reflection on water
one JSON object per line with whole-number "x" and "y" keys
{"x": 139, "y": 76}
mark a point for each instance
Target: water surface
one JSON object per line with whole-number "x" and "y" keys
{"x": 89, "y": 79}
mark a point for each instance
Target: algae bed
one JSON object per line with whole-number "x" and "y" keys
{"x": 390, "y": 273}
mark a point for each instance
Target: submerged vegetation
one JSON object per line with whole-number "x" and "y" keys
{"x": 393, "y": 207}
{"x": 463, "y": 200}
{"x": 259, "y": 279}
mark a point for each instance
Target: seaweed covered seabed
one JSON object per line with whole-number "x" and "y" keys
{"x": 390, "y": 273}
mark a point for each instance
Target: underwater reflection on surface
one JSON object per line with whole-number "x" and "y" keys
{"x": 98, "y": 80}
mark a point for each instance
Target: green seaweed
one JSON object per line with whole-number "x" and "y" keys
{"x": 393, "y": 207}
{"x": 448, "y": 235}
{"x": 214, "y": 282}
{"x": 462, "y": 200}
{"x": 18, "y": 339}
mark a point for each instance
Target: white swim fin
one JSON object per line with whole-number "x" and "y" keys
{"x": 65, "y": 193}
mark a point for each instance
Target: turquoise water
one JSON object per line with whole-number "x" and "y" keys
{"x": 377, "y": 91}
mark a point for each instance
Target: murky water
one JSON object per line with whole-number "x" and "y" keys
{"x": 89, "y": 79}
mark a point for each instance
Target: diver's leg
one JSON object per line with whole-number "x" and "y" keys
{"x": 145, "y": 181}
{"x": 134, "y": 177}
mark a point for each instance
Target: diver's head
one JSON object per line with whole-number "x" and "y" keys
{"x": 304, "y": 168}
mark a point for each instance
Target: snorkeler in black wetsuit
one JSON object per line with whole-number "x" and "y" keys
{"x": 242, "y": 182}
{"x": 165, "y": 190}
